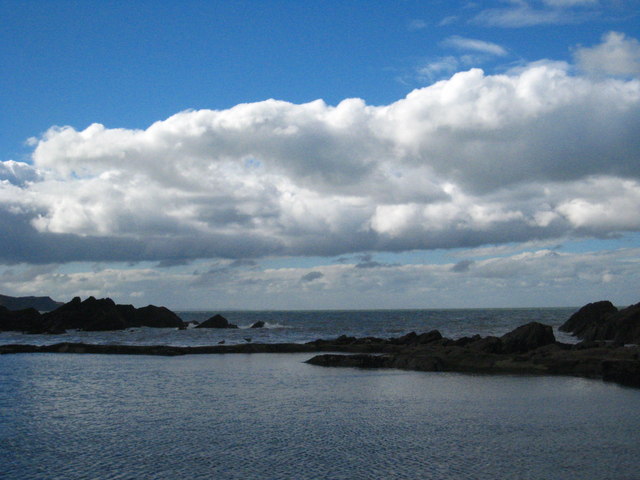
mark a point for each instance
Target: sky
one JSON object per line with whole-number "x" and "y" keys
{"x": 321, "y": 154}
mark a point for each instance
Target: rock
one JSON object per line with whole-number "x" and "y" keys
{"x": 151, "y": 316}
{"x": 90, "y": 315}
{"x": 464, "y": 341}
{"x": 408, "y": 339}
{"x": 344, "y": 340}
{"x": 601, "y": 321}
{"x": 369, "y": 341}
{"x": 624, "y": 372}
{"x": 587, "y": 322}
{"x": 488, "y": 344}
{"x": 429, "y": 337}
{"x": 103, "y": 314}
{"x": 259, "y": 324}
{"x": 527, "y": 337}
{"x": 357, "y": 361}
{"x": 26, "y": 320}
{"x": 217, "y": 321}
{"x": 626, "y": 325}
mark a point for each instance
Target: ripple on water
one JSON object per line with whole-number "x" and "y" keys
{"x": 272, "y": 416}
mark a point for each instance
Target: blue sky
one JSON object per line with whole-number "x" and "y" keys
{"x": 488, "y": 155}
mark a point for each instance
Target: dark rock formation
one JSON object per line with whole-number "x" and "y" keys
{"x": 357, "y": 361}
{"x": 42, "y": 304}
{"x": 601, "y": 321}
{"x": 90, "y": 315}
{"x": 150, "y": 316}
{"x": 588, "y": 322}
{"x": 25, "y": 320}
{"x": 217, "y": 321}
{"x": 167, "y": 350}
{"x": 626, "y": 325}
{"x": 488, "y": 344}
{"x": 624, "y": 372}
{"x": 259, "y": 324}
{"x": 412, "y": 338}
{"x": 527, "y": 337}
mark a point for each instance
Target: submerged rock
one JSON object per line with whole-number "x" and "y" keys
{"x": 259, "y": 324}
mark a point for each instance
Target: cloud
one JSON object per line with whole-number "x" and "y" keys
{"x": 462, "y": 266}
{"x": 439, "y": 68}
{"x": 448, "y": 21}
{"x": 463, "y": 43}
{"x": 311, "y": 276}
{"x": 18, "y": 173}
{"x": 534, "y": 154}
{"x": 570, "y": 3}
{"x": 521, "y": 13}
{"x": 539, "y": 277}
{"x": 616, "y": 55}
{"x": 367, "y": 261}
{"x": 417, "y": 24}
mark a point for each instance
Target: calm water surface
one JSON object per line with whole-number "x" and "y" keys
{"x": 273, "y": 417}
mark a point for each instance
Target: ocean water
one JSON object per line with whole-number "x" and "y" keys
{"x": 304, "y": 326}
{"x": 271, "y": 416}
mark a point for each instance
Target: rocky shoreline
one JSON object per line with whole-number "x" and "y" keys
{"x": 604, "y": 353}
{"x": 529, "y": 349}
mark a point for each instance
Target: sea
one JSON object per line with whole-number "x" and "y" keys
{"x": 273, "y": 416}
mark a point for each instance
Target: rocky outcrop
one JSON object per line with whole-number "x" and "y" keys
{"x": 588, "y": 322}
{"x": 150, "y": 316}
{"x": 527, "y": 337}
{"x": 90, "y": 315}
{"x": 258, "y": 324}
{"x": 412, "y": 338}
{"x": 217, "y": 321}
{"x": 601, "y": 321}
{"x": 626, "y": 325}
{"x": 616, "y": 364}
{"x": 28, "y": 319}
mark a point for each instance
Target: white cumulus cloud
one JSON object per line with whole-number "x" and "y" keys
{"x": 616, "y": 55}
{"x": 532, "y": 154}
